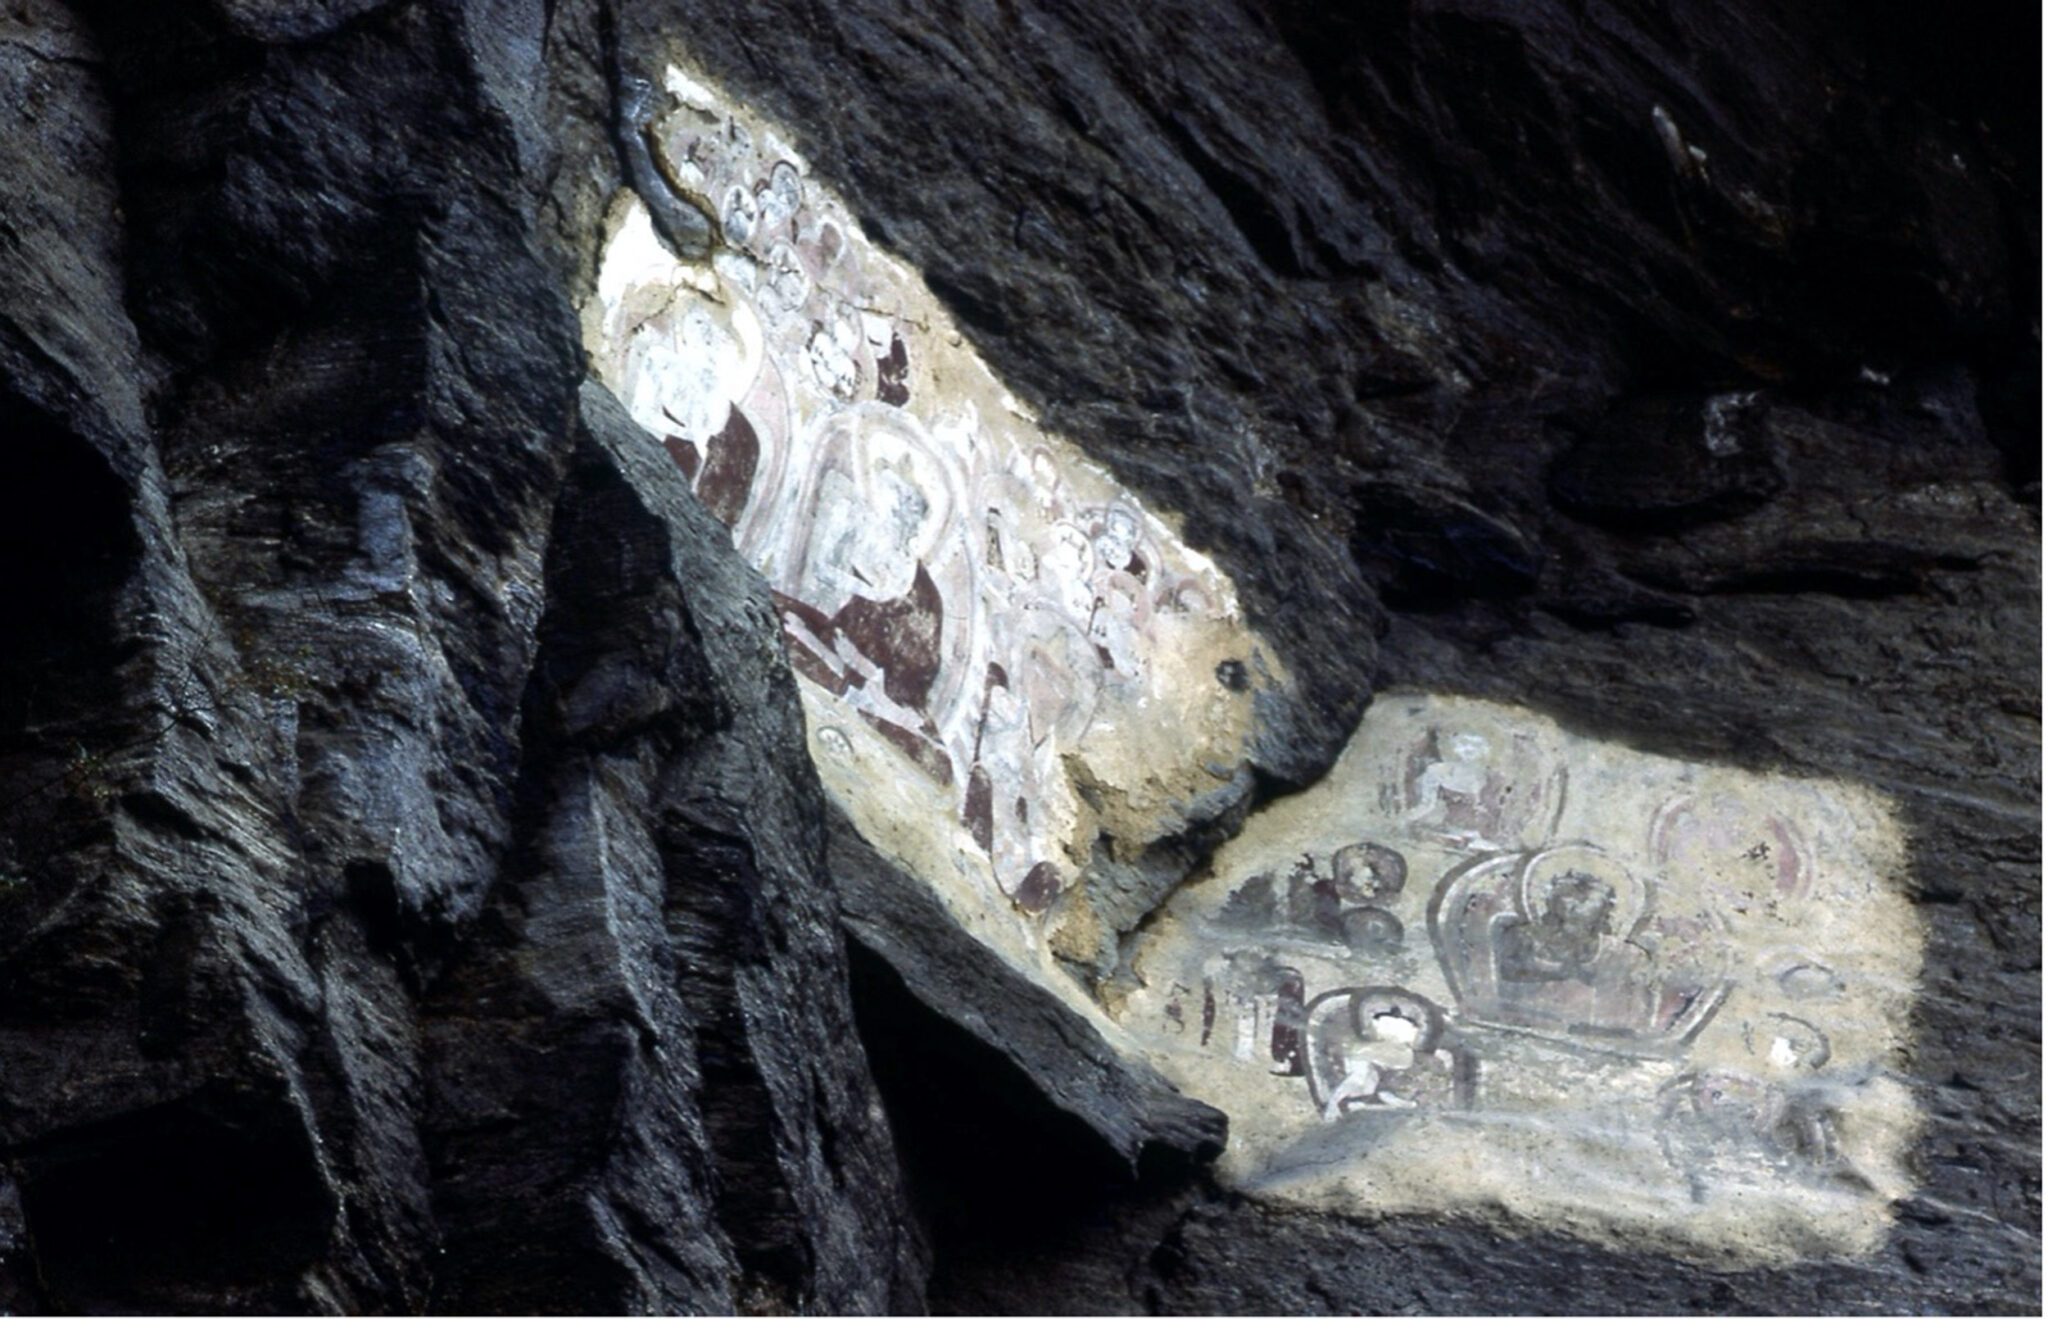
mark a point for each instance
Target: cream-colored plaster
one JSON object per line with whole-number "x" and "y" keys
{"x": 1659, "y": 1003}
{"x": 984, "y": 623}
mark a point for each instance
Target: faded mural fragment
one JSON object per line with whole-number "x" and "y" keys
{"x": 1485, "y": 964}
{"x": 1491, "y": 963}
{"x": 981, "y": 618}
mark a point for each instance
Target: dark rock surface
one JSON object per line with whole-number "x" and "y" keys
{"x": 1054, "y": 1055}
{"x": 414, "y": 880}
{"x": 413, "y": 891}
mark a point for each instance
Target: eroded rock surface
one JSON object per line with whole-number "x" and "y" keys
{"x": 1617, "y": 353}
{"x": 414, "y": 889}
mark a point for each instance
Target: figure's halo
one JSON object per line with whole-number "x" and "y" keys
{"x": 1545, "y": 869}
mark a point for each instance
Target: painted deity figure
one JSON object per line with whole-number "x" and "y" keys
{"x": 1383, "y": 1047}
{"x": 1569, "y": 943}
{"x": 1568, "y": 964}
{"x": 1478, "y": 792}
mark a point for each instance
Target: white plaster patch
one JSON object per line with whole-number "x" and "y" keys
{"x": 1488, "y": 963}
{"x": 981, "y": 619}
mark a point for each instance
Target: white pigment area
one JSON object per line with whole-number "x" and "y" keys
{"x": 1489, "y": 964}
{"x": 1004, "y": 657}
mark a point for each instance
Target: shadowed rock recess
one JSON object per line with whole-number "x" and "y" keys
{"x": 1599, "y": 440}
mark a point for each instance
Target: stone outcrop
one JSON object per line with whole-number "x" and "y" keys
{"x": 415, "y": 888}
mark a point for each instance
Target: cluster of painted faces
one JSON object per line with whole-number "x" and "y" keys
{"x": 936, "y": 573}
{"x": 1559, "y": 944}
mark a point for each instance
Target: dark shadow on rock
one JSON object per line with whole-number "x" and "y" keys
{"x": 1019, "y": 1126}
{"x": 213, "y": 1198}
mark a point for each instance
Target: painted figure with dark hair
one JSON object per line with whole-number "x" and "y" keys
{"x": 1568, "y": 964}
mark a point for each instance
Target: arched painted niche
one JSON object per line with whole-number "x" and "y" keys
{"x": 1485, "y": 965}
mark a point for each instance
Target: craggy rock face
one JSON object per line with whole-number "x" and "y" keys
{"x": 1595, "y": 1005}
{"x": 1019, "y": 656}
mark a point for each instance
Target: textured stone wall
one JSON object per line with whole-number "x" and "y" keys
{"x": 416, "y": 889}
{"x": 1538, "y": 1023}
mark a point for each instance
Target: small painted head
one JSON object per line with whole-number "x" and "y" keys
{"x": 1795, "y": 1045}
{"x": 1372, "y": 931}
{"x": 1391, "y": 1013}
{"x": 1469, "y": 747}
{"x": 1579, "y": 905}
{"x": 1369, "y": 873}
{"x": 1118, "y": 537}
